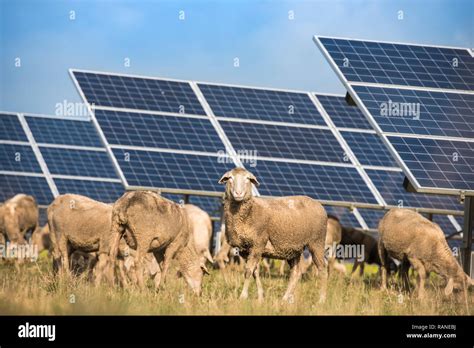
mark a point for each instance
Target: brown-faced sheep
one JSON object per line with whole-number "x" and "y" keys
{"x": 407, "y": 235}
{"x": 157, "y": 225}
{"x": 272, "y": 227}
{"x": 18, "y": 215}
{"x": 202, "y": 230}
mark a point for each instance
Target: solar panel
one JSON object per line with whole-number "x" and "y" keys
{"x": 37, "y": 186}
{"x": 438, "y": 163}
{"x": 342, "y": 114}
{"x": 402, "y": 64}
{"x": 10, "y": 128}
{"x": 434, "y": 103}
{"x": 369, "y": 149}
{"x": 107, "y": 192}
{"x": 168, "y": 132}
{"x": 390, "y": 185}
{"x": 139, "y": 93}
{"x": 261, "y": 104}
{"x": 172, "y": 170}
{"x": 346, "y": 218}
{"x": 211, "y": 205}
{"x": 372, "y": 217}
{"x": 18, "y": 158}
{"x": 328, "y": 183}
{"x": 445, "y": 224}
{"x": 54, "y": 130}
{"x": 420, "y": 112}
{"x": 284, "y": 142}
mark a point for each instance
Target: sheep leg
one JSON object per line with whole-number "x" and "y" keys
{"x": 295, "y": 275}
{"x": 318, "y": 259}
{"x": 420, "y": 269}
{"x": 252, "y": 263}
{"x": 64, "y": 251}
{"x": 282, "y": 268}
{"x": 256, "y": 276}
{"x": 169, "y": 254}
{"x": 404, "y": 274}
{"x": 362, "y": 267}
{"x": 384, "y": 264}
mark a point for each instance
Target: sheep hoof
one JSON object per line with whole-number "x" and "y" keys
{"x": 243, "y": 296}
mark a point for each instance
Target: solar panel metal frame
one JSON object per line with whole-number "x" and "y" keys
{"x": 374, "y": 124}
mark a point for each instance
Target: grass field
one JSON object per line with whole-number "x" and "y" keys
{"x": 32, "y": 289}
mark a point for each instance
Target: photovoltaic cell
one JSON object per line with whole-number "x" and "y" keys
{"x": 107, "y": 192}
{"x": 78, "y": 162}
{"x": 123, "y": 91}
{"x": 210, "y": 205}
{"x": 346, "y": 218}
{"x": 260, "y": 104}
{"x": 63, "y": 132}
{"x": 438, "y": 163}
{"x": 445, "y": 224}
{"x": 420, "y": 112}
{"x": 390, "y": 186}
{"x": 172, "y": 170}
{"x": 171, "y": 132}
{"x": 319, "y": 182}
{"x": 401, "y": 64}
{"x": 284, "y": 142}
{"x": 369, "y": 149}
{"x": 19, "y": 158}
{"x": 10, "y": 128}
{"x": 372, "y": 217}
{"x": 342, "y": 114}
{"x": 10, "y": 185}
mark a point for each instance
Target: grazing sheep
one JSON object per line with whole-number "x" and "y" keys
{"x": 272, "y": 227}
{"x": 202, "y": 230}
{"x": 41, "y": 238}
{"x": 18, "y": 215}
{"x": 157, "y": 225}
{"x": 77, "y": 223}
{"x": 352, "y": 236}
{"x": 407, "y": 235}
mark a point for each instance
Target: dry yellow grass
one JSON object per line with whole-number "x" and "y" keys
{"x": 31, "y": 289}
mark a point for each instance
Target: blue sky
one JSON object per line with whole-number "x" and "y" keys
{"x": 273, "y": 50}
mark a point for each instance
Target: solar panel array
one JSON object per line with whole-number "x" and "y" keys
{"x": 421, "y": 100}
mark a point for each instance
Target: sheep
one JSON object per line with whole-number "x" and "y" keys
{"x": 18, "y": 215}
{"x": 41, "y": 238}
{"x": 352, "y": 236}
{"x": 77, "y": 223}
{"x": 272, "y": 227}
{"x": 406, "y": 235}
{"x": 202, "y": 230}
{"x": 157, "y": 225}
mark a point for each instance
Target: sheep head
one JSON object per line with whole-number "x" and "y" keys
{"x": 238, "y": 183}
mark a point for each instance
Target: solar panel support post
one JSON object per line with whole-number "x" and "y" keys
{"x": 467, "y": 233}
{"x": 186, "y": 199}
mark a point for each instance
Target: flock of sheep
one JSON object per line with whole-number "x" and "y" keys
{"x": 142, "y": 234}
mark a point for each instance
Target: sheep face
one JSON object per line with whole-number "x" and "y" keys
{"x": 238, "y": 183}
{"x": 191, "y": 268}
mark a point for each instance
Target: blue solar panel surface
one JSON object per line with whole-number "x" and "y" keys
{"x": 284, "y": 142}
{"x": 401, "y": 64}
{"x": 445, "y": 224}
{"x": 260, "y": 104}
{"x": 10, "y": 185}
{"x": 369, "y": 149}
{"x": 19, "y": 158}
{"x": 63, "y": 132}
{"x": 78, "y": 162}
{"x": 342, "y": 114}
{"x": 103, "y": 191}
{"x": 372, "y": 217}
{"x": 11, "y": 129}
{"x": 320, "y": 182}
{"x": 390, "y": 186}
{"x": 171, "y": 132}
{"x": 420, "y": 112}
{"x": 346, "y": 218}
{"x": 438, "y": 163}
{"x": 172, "y": 170}
{"x": 138, "y": 93}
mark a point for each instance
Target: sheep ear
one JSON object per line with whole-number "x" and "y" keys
{"x": 254, "y": 180}
{"x": 225, "y": 177}
{"x": 449, "y": 287}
